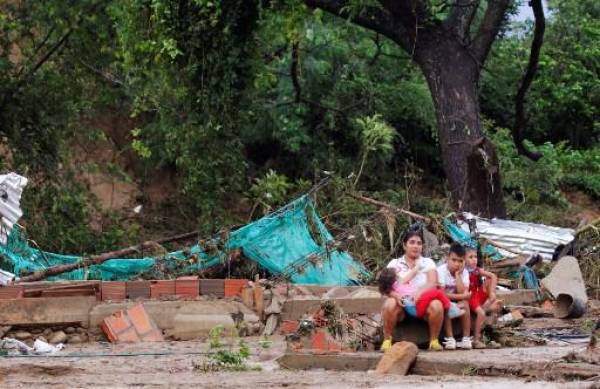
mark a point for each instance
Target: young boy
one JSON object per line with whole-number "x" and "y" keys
{"x": 483, "y": 294}
{"x": 454, "y": 279}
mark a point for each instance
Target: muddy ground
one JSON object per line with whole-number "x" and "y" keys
{"x": 171, "y": 364}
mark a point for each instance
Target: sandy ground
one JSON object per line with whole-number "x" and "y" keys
{"x": 170, "y": 364}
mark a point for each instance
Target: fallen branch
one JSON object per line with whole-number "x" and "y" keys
{"x": 100, "y": 258}
{"x": 391, "y": 207}
{"x": 501, "y": 246}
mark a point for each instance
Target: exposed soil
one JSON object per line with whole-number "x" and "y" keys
{"x": 170, "y": 364}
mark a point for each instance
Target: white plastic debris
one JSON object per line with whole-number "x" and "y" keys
{"x": 15, "y": 346}
{"x": 41, "y": 347}
{"x": 11, "y": 188}
{"x": 6, "y": 277}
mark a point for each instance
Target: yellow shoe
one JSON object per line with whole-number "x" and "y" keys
{"x": 435, "y": 345}
{"x": 386, "y": 345}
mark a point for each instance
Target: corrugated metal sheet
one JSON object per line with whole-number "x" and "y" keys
{"x": 527, "y": 238}
{"x": 11, "y": 187}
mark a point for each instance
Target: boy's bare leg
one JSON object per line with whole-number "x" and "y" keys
{"x": 465, "y": 319}
{"x": 448, "y": 327}
{"x": 480, "y": 312}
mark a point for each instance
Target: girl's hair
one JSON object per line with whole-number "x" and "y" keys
{"x": 386, "y": 280}
{"x": 411, "y": 234}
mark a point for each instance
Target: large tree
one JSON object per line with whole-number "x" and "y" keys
{"x": 449, "y": 41}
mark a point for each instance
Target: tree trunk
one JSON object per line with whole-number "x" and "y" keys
{"x": 469, "y": 158}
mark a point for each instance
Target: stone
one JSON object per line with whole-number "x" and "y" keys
{"x": 58, "y": 337}
{"x": 22, "y": 335}
{"x": 75, "y": 339}
{"x": 4, "y": 330}
{"x": 47, "y": 332}
{"x": 271, "y": 325}
{"x": 81, "y": 330}
{"x": 69, "y": 330}
{"x": 36, "y": 331}
{"x": 275, "y": 306}
{"x": 398, "y": 359}
{"x": 248, "y": 297}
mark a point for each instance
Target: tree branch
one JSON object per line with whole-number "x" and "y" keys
{"x": 460, "y": 18}
{"x": 372, "y": 18}
{"x": 492, "y": 21}
{"x": 294, "y": 70}
{"x": 521, "y": 120}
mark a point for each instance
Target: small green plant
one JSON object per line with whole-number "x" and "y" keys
{"x": 215, "y": 335}
{"x": 228, "y": 360}
{"x": 376, "y": 136}
{"x": 265, "y": 342}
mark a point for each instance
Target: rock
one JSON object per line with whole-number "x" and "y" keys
{"x": 47, "y": 332}
{"x": 248, "y": 296}
{"x": 81, "y": 330}
{"x": 398, "y": 359}
{"x": 4, "y": 330}
{"x": 36, "y": 331}
{"x": 75, "y": 339}
{"x": 271, "y": 325}
{"x": 22, "y": 335}
{"x": 275, "y": 306}
{"x": 69, "y": 330}
{"x": 58, "y": 337}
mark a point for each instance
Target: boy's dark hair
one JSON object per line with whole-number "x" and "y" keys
{"x": 458, "y": 249}
{"x": 386, "y": 280}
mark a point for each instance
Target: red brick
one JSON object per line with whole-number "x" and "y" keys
{"x": 131, "y": 325}
{"x": 233, "y": 287}
{"x": 138, "y": 289}
{"x": 322, "y": 342}
{"x": 288, "y": 327}
{"x": 113, "y": 290}
{"x": 187, "y": 286}
{"x": 162, "y": 288}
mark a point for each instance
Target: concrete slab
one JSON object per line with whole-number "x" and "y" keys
{"x": 194, "y": 326}
{"x": 47, "y": 310}
{"x": 518, "y": 296}
{"x": 534, "y": 362}
{"x": 164, "y": 312}
{"x": 296, "y": 309}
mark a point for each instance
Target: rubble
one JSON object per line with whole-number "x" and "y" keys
{"x": 566, "y": 285}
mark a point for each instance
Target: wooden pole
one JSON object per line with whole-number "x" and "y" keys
{"x": 391, "y": 207}
{"x": 100, "y": 258}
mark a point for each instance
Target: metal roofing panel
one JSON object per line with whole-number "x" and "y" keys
{"x": 11, "y": 188}
{"x": 527, "y": 238}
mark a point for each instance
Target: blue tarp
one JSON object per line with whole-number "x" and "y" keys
{"x": 291, "y": 242}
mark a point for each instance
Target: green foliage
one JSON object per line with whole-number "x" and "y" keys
{"x": 564, "y": 100}
{"x": 535, "y": 187}
{"x": 214, "y": 335}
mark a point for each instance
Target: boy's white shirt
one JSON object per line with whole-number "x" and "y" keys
{"x": 448, "y": 281}
{"x": 420, "y": 279}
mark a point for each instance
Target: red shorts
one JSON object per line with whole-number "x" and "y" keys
{"x": 427, "y": 297}
{"x": 478, "y": 297}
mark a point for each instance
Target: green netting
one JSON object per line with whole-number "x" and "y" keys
{"x": 291, "y": 242}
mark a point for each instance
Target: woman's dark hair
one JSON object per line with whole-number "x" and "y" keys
{"x": 386, "y": 280}
{"x": 410, "y": 234}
